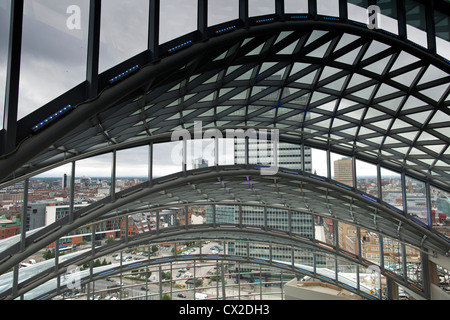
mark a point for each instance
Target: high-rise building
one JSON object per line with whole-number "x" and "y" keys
{"x": 343, "y": 171}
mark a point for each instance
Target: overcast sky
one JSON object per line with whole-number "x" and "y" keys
{"x": 54, "y": 55}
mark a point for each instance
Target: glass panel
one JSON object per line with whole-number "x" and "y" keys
{"x": 319, "y": 162}
{"x": 54, "y": 47}
{"x": 261, "y": 7}
{"x": 366, "y": 177}
{"x": 328, "y": 7}
{"x": 440, "y": 210}
{"x": 416, "y": 23}
{"x": 370, "y": 246}
{"x": 200, "y": 153}
{"x": 388, "y": 20}
{"x": 392, "y": 255}
{"x": 391, "y": 188}
{"x": 371, "y": 280}
{"x": 413, "y": 265}
{"x": 357, "y": 10}
{"x": 442, "y": 25}
{"x": 220, "y": 11}
{"x": 51, "y": 188}
{"x": 347, "y": 237}
{"x": 416, "y": 200}
{"x": 347, "y": 271}
{"x": 302, "y": 224}
{"x": 324, "y": 231}
{"x": 226, "y": 151}
{"x": 167, "y": 158}
{"x": 177, "y": 18}
{"x": 325, "y": 265}
{"x": 5, "y": 7}
{"x": 252, "y": 215}
{"x": 123, "y": 31}
{"x": 131, "y": 167}
{"x": 296, "y": 6}
{"x": 92, "y": 178}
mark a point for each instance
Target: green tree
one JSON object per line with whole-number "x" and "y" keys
{"x": 49, "y": 254}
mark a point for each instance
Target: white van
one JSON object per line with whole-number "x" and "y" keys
{"x": 200, "y": 296}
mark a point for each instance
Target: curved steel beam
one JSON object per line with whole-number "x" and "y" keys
{"x": 199, "y": 233}
{"x": 50, "y": 234}
{"x": 34, "y": 144}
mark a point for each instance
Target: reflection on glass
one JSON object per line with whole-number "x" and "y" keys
{"x": 413, "y": 265}
{"x": 347, "y": 237}
{"x": 323, "y": 230}
{"x": 391, "y": 188}
{"x": 392, "y": 255}
{"x": 371, "y": 281}
{"x": 416, "y": 200}
{"x": 54, "y": 48}
{"x": 325, "y": 264}
{"x": 440, "y": 210}
{"x": 370, "y": 246}
{"x": 346, "y": 271}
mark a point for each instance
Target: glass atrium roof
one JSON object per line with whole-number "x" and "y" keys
{"x": 325, "y": 88}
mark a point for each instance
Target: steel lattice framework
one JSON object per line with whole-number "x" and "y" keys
{"x": 324, "y": 82}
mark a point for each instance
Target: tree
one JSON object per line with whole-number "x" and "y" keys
{"x": 48, "y": 255}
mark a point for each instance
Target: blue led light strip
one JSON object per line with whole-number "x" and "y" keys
{"x": 124, "y": 74}
{"x": 180, "y": 46}
{"x": 225, "y": 30}
{"x": 330, "y": 18}
{"x": 54, "y": 116}
{"x": 265, "y": 20}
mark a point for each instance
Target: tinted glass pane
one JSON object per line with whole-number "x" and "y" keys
{"x": 123, "y": 31}
{"x": 54, "y": 47}
{"x": 177, "y": 18}
{"x": 220, "y": 11}
{"x": 261, "y": 7}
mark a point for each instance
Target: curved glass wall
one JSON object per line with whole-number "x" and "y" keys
{"x": 427, "y": 205}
